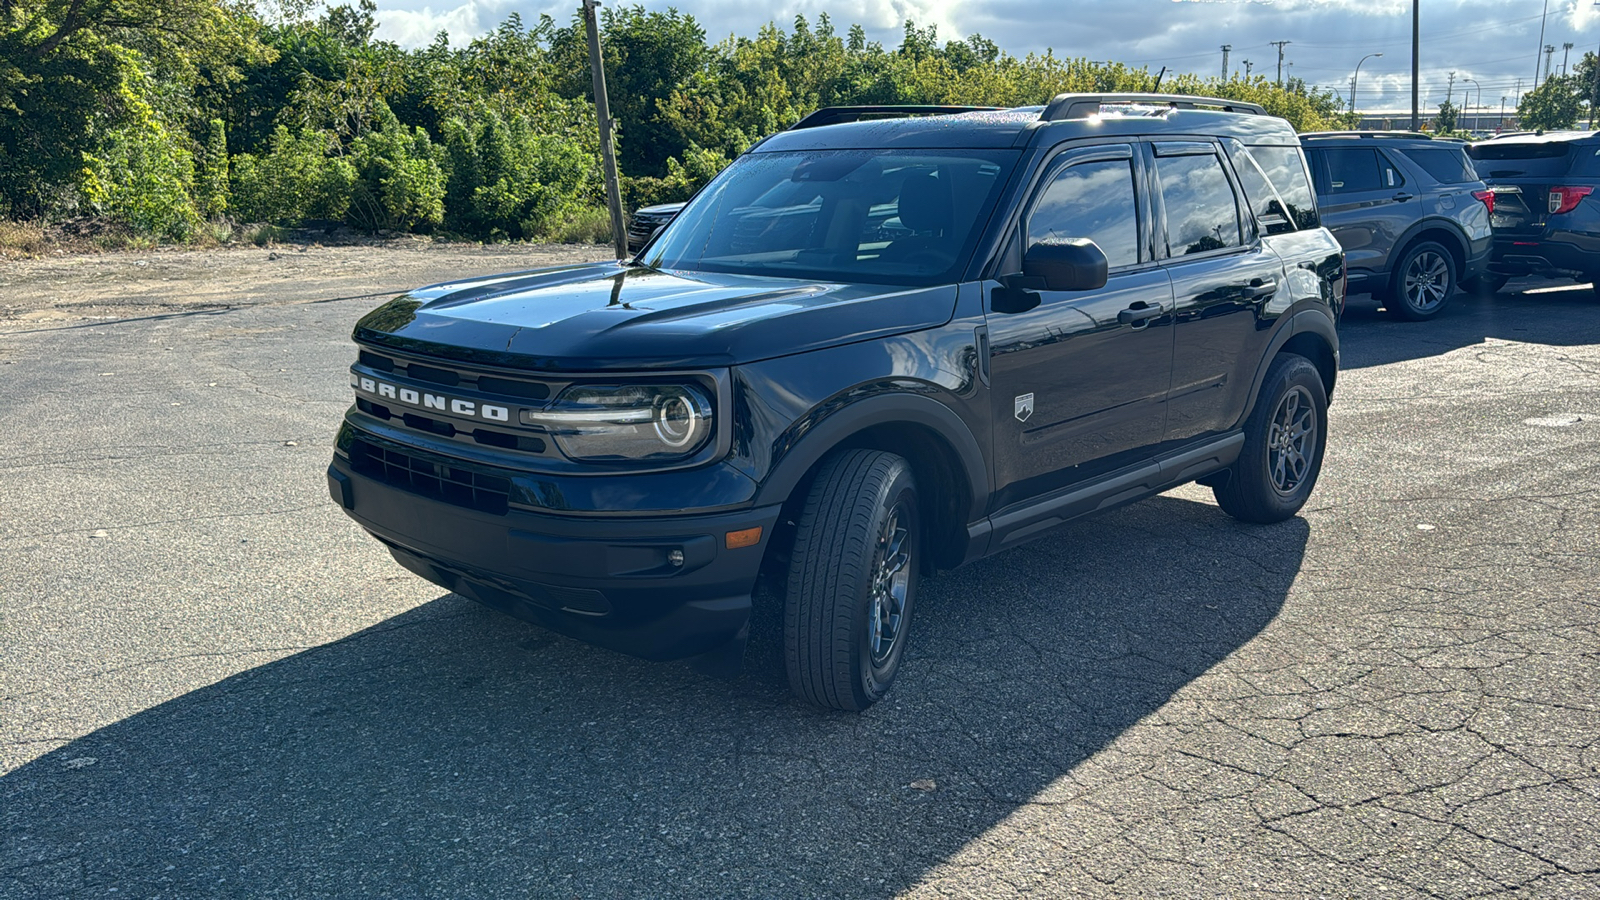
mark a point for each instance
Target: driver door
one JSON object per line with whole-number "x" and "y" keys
{"x": 1080, "y": 381}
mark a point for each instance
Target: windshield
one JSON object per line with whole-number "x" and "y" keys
{"x": 888, "y": 216}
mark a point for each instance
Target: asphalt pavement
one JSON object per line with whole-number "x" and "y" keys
{"x": 213, "y": 684}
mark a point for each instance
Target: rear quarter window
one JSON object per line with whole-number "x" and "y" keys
{"x": 1277, "y": 185}
{"x": 1447, "y": 165}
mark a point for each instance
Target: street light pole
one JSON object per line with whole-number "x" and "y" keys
{"x": 1469, "y": 99}
{"x": 1353, "y": 79}
{"x": 1416, "y": 44}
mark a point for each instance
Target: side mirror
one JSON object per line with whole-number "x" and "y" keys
{"x": 1066, "y": 264}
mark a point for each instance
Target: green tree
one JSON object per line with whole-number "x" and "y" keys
{"x": 211, "y": 184}
{"x": 1445, "y": 123}
{"x": 1552, "y": 105}
{"x": 648, "y": 56}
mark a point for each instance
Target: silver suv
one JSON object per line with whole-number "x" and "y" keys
{"x": 1410, "y": 212}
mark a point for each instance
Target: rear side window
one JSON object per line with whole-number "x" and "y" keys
{"x": 1446, "y": 165}
{"x": 1355, "y": 169}
{"x": 1202, "y": 213}
{"x": 1276, "y": 185}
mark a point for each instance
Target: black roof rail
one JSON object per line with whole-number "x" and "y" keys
{"x": 833, "y": 115}
{"x": 1081, "y": 106}
{"x": 1399, "y": 135}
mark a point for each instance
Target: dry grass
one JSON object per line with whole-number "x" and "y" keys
{"x": 21, "y": 239}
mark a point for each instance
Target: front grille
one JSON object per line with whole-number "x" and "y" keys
{"x": 486, "y": 436}
{"x": 508, "y": 390}
{"x": 452, "y": 484}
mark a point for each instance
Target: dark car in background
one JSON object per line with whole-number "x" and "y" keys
{"x": 1545, "y": 215}
{"x": 1409, "y": 210}
{"x": 646, "y": 221}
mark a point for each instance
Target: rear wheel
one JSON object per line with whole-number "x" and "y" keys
{"x": 1283, "y": 442}
{"x": 852, "y": 580}
{"x": 1422, "y": 283}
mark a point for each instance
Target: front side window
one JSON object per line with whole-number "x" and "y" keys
{"x": 1202, "y": 214}
{"x": 884, "y": 216}
{"x": 1093, "y": 200}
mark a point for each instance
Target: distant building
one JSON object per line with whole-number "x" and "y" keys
{"x": 1400, "y": 120}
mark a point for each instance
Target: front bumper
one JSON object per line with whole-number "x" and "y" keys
{"x": 612, "y": 581}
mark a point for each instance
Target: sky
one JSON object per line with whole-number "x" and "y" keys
{"x": 1488, "y": 44}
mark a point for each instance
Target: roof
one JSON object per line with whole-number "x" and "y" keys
{"x": 1546, "y": 137}
{"x": 1067, "y": 116}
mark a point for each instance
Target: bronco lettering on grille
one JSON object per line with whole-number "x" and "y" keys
{"x": 425, "y": 400}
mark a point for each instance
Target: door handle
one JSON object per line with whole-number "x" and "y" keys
{"x": 1138, "y": 314}
{"x": 1403, "y": 196}
{"x": 1259, "y": 288}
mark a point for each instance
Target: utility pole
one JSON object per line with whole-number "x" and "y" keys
{"x": 1416, "y": 44}
{"x": 1542, "y": 18}
{"x": 1227, "y": 47}
{"x": 1549, "y": 51}
{"x": 1501, "y": 125}
{"x": 1280, "y": 45}
{"x": 602, "y": 114}
{"x": 1248, "y": 64}
{"x": 1566, "y": 48}
{"x": 1450, "y": 87}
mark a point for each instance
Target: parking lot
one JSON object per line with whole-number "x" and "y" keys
{"x": 212, "y": 684}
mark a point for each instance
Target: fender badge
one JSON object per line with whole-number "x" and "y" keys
{"x": 1024, "y": 407}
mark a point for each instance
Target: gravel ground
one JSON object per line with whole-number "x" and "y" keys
{"x": 212, "y": 684}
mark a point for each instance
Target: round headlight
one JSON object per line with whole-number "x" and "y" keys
{"x": 618, "y": 422}
{"x": 678, "y": 422}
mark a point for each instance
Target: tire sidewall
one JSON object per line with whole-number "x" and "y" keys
{"x": 1292, "y": 372}
{"x": 873, "y": 679}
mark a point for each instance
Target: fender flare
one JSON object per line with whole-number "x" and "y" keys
{"x": 822, "y": 435}
{"x": 1462, "y": 246}
{"x": 1307, "y": 321}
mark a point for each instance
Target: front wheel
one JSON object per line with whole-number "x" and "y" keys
{"x": 852, "y": 580}
{"x": 1283, "y": 442}
{"x": 1422, "y": 282}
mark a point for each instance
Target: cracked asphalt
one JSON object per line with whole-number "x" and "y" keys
{"x": 212, "y": 684}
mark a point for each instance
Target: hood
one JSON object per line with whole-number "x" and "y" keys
{"x": 608, "y": 316}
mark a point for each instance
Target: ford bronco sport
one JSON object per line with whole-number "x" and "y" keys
{"x": 870, "y": 348}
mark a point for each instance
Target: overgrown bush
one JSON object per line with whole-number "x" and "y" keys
{"x": 399, "y": 182}
{"x": 211, "y": 185}
{"x": 512, "y": 180}
{"x": 294, "y": 181}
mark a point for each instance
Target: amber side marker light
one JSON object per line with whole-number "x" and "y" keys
{"x": 749, "y": 537}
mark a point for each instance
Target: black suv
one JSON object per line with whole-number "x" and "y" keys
{"x": 864, "y": 351}
{"x": 1546, "y": 217}
{"x": 1410, "y": 212}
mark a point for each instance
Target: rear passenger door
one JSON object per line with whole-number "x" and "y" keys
{"x": 1367, "y": 204}
{"x": 1223, "y": 277}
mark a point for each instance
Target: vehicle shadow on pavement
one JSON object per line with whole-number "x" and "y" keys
{"x": 451, "y": 751}
{"x": 1558, "y": 314}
